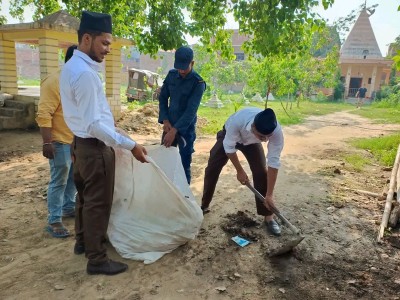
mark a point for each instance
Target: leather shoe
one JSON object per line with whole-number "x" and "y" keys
{"x": 79, "y": 248}
{"x": 109, "y": 267}
{"x": 273, "y": 227}
{"x": 205, "y": 209}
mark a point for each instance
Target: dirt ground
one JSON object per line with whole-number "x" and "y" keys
{"x": 338, "y": 259}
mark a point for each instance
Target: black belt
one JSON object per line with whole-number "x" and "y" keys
{"x": 88, "y": 141}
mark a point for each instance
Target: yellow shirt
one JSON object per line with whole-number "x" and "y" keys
{"x": 50, "y": 112}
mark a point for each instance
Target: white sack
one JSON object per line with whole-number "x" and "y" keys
{"x": 154, "y": 210}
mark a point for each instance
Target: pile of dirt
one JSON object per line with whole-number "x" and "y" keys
{"x": 141, "y": 121}
{"x": 145, "y": 120}
{"x": 241, "y": 224}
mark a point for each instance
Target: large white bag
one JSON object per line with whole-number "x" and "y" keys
{"x": 154, "y": 210}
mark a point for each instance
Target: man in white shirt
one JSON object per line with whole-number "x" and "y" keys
{"x": 244, "y": 131}
{"x": 88, "y": 115}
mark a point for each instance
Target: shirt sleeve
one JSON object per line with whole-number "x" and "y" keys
{"x": 163, "y": 101}
{"x": 49, "y": 101}
{"x": 232, "y": 137}
{"x": 86, "y": 95}
{"x": 275, "y": 147}
{"x": 191, "y": 110}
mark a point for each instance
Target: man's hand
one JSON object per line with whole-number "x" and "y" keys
{"x": 48, "y": 150}
{"x": 169, "y": 137}
{"x": 140, "y": 152}
{"x": 166, "y": 126}
{"x": 269, "y": 202}
{"x": 242, "y": 177}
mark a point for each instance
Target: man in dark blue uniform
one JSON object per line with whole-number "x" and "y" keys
{"x": 183, "y": 87}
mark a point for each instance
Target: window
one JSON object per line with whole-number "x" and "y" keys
{"x": 369, "y": 80}
{"x": 239, "y": 56}
{"x": 365, "y": 53}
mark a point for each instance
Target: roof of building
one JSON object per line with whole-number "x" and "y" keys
{"x": 361, "y": 42}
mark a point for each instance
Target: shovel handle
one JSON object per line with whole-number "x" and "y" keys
{"x": 261, "y": 199}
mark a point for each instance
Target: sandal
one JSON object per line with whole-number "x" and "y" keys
{"x": 58, "y": 232}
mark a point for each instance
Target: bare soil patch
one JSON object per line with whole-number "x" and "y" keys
{"x": 339, "y": 258}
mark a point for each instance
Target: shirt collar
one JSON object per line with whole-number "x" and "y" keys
{"x": 187, "y": 76}
{"x": 93, "y": 64}
{"x": 248, "y": 125}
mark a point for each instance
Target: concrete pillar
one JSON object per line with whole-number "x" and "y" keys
{"x": 8, "y": 68}
{"x": 373, "y": 79}
{"x": 113, "y": 81}
{"x": 48, "y": 55}
{"x": 347, "y": 84}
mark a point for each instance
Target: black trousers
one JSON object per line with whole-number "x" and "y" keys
{"x": 255, "y": 156}
{"x": 94, "y": 173}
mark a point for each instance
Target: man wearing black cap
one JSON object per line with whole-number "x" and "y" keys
{"x": 88, "y": 115}
{"x": 244, "y": 131}
{"x": 183, "y": 87}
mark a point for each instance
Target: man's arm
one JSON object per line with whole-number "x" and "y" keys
{"x": 163, "y": 102}
{"x": 240, "y": 173}
{"x": 48, "y": 104}
{"x": 188, "y": 116}
{"x": 272, "y": 175}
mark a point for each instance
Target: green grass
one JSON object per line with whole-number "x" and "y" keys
{"x": 29, "y": 82}
{"x": 383, "y": 148}
{"x": 357, "y": 161}
{"x": 217, "y": 117}
{"x": 383, "y": 115}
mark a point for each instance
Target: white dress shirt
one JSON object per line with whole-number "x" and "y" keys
{"x": 238, "y": 130}
{"x": 85, "y": 107}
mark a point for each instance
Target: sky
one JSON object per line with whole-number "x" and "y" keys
{"x": 385, "y": 21}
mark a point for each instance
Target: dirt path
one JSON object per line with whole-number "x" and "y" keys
{"x": 338, "y": 259}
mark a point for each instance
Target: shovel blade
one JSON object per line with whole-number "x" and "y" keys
{"x": 286, "y": 247}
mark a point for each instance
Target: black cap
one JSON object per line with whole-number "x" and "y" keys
{"x": 96, "y": 22}
{"x": 183, "y": 58}
{"x": 70, "y": 52}
{"x": 265, "y": 121}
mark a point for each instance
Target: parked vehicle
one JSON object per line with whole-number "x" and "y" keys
{"x": 143, "y": 85}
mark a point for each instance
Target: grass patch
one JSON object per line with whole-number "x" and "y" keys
{"x": 382, "y": 115}
{"x": 384, "y": 149}
{"x": 217, "y": 117}
{"x": 357, "y": 161}
{"x": 29, "y": 82}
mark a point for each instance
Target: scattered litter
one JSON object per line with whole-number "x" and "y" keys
{"x": 59, "y": 287}
{"x": 282, "y": 290}
{"x": 240, "y": 241}
{"x": 221, "y": 289}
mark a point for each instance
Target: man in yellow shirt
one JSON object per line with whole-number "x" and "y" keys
{"x": 57, "y": 139}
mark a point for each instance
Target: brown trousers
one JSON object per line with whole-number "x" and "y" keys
{"x": 255, "y": 156}
{"x": 94, "y": 173}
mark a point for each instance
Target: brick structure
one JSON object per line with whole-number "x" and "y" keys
{"x": 361, "y": 61}
{"x": 50, "y": 34}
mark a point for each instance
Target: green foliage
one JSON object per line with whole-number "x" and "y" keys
{"x": 218, "y": 72}
{"x": 384, "y": 148}
{"x": 276, "y": 26}
{"x": 3, "y": 19}
{"x": 396, "y": 60}
{"x": 392, "y": 101}
{"x": 324, "y": 41}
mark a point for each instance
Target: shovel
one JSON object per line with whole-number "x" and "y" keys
{"x": 287, "y": 247}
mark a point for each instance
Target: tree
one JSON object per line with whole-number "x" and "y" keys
{"x": 276, "y": 26}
